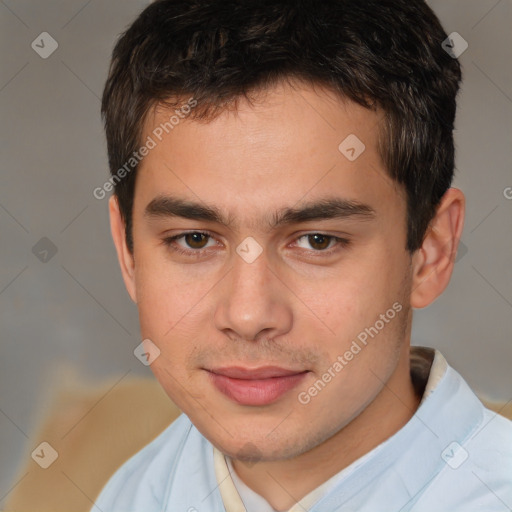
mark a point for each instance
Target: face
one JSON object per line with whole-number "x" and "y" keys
{"x": 270, "y": 269}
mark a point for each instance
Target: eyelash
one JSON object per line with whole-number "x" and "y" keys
{"x": 169, "y": 242}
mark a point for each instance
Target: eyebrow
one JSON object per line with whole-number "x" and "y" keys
{"x": 323, "y": 209}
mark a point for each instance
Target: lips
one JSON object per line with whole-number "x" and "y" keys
{"x": 265, "y": 372}
{"x": 255, "y": 386}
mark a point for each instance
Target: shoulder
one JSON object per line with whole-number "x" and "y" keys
{"x": 477, "y": 472}
{"x": 140, "y": 483}
{"x": 470, "y": 452}
{"x": 490, "y": 449}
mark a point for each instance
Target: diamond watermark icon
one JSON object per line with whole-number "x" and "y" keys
{"x": 45, "y": 455}
{"x": 454, "y": 45}
{"x": 44, "y": 250}
{"x": 146, "y": 352}
{"x": 249, "y": 249}
{"x": 44, "y": 45}
{"x": 249, "y": 454}
{"x": 351, "y": 147}
{"x": 454, "y": 455}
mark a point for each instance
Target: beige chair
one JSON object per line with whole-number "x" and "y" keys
{"x": 94, "y": 431}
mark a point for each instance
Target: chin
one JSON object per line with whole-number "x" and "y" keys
{"x": 257, "y": 446}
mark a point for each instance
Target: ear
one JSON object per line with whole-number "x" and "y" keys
{"x": 433, "y": 262}
{"x": 126, "y": 261}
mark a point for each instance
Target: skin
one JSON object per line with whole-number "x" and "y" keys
{"x": 294, "y": 306}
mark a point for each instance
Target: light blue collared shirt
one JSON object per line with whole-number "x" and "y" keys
{"x": 453, "y": 455}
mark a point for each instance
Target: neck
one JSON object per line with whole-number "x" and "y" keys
{"x": 283, "y": 483}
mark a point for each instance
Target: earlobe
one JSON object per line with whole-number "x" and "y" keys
{"x": 433, "y": 262}
{"x": 125, "y": 258}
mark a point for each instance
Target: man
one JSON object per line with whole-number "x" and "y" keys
{"x": 282, "y": 202}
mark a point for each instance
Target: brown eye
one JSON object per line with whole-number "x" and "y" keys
{"x": 196, "y": 240}
{"x": 319, "y": 241}
{"x": 193, "y": 243}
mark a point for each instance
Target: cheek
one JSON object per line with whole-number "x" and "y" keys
{"x": 153, "y": 304}
{"x": 352, "y": 305}
{"x": 171, "y": 314}
{"x": 354, "y": 297}
{"x": 164, "y": 296}
{"x": 355, "y": 368}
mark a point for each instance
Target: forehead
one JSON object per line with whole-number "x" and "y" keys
{"x": 292, "y": 142}
{"x": 298, "y": 107}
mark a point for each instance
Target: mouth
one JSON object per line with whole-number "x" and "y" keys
{"x": 255, "y": 386}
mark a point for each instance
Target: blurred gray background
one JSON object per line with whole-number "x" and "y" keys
{"x": 69, "y": 307}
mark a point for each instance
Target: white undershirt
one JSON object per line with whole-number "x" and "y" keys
{"x": 252, "y": 500}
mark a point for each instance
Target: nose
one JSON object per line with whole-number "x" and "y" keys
{"x": 253, "y": 303}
